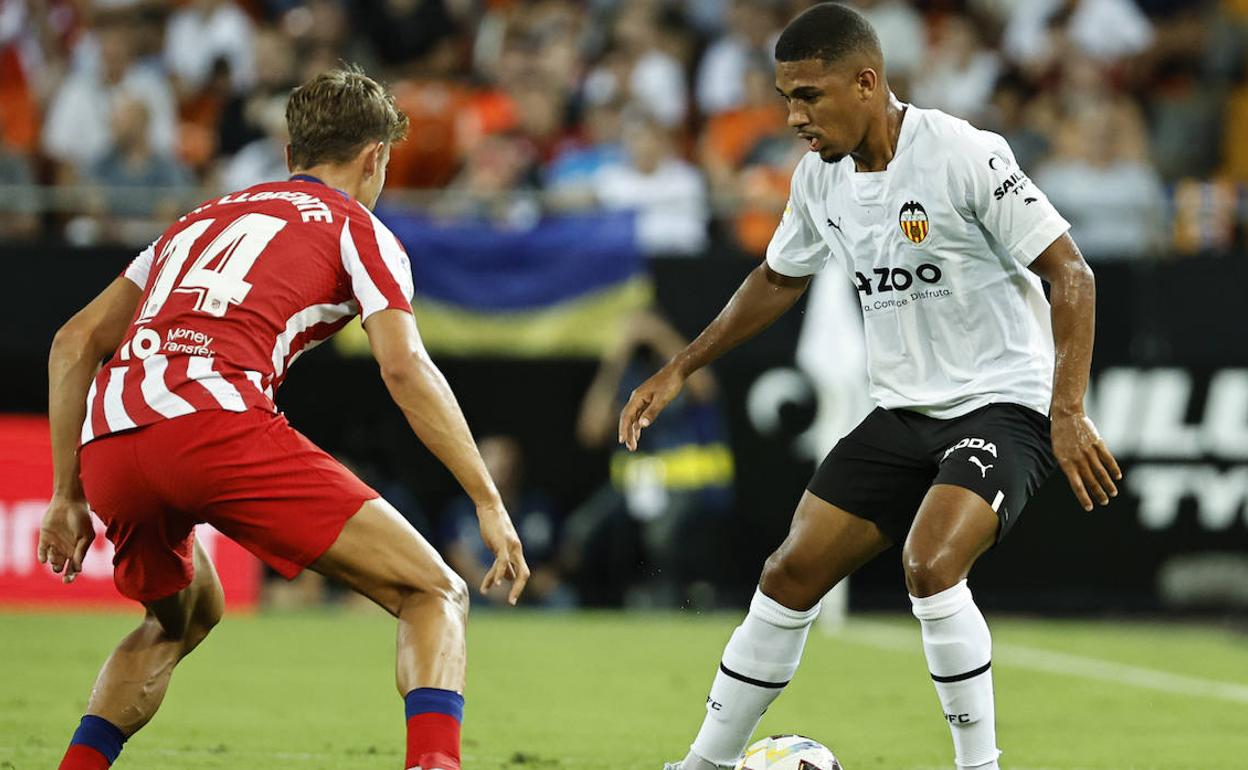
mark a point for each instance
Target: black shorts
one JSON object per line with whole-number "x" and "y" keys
{"x": 884, "y": 467}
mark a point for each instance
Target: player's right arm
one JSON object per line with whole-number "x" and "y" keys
{"x": 797, "y": 251}
{"x": 79, "y": 346}
{"x": 420, "y": 390}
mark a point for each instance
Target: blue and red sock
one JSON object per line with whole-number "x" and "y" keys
{"x": 95, "y": 745}
{"x": 433, "y": 720}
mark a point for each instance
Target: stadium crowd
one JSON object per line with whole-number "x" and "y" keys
{"x": 1131, "y": 114}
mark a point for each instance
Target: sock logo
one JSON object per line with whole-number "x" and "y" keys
{"x": 983, "y": 469}
{"x": 958, "y": 719}
{"x": 712, "y": 705}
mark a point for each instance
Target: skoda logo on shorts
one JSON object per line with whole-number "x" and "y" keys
{"x": 913, "y": 221}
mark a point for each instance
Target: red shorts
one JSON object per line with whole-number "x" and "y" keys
{"x": 249, "y": 474}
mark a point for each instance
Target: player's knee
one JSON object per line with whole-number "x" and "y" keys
{"x": 454, "y": 590}
{"x": 782, "y": 582}
{"x": 209, "y": 609}
{"x": 204, "y": 612}
{"x": 930, "y": 572}
{"x": 447, "y": 587}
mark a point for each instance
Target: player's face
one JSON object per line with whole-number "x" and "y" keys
{"x": 828, "y": 105}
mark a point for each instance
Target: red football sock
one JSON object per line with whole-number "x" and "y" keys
{"x": 433, "y": 720}
{"x": 95, "y": 745}
{"x": 80, "y": 757}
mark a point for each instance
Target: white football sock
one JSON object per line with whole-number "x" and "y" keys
{"x": 959, "y": 657}
{"x": 760, "y": 659}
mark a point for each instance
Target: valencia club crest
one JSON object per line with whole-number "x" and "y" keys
{"x": 913, "y": 221}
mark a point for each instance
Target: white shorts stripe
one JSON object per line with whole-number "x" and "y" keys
{"x": 996, "y": 501}
{"x": 87, "y": 432}
{"x": 302, "y": 321}
{"x": 199, "y": 368}
{"x": 156, "y": 393}
{"x": 114, "y": 410}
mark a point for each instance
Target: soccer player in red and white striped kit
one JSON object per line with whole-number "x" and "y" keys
{"x": 179, "y": 427}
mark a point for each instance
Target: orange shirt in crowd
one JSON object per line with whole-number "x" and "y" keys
{"x": 446, "y": 119}
{"x": 19, "y": 117}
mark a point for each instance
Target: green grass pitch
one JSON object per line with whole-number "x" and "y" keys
{"x": 608, "y": 691}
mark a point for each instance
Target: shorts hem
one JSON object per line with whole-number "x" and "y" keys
{"x": 144, "y": 597}
{"x": 291, "y": 568}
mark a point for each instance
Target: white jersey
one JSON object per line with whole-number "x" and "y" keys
{"x": 938, "y": 246}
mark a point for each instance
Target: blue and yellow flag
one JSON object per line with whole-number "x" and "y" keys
{"x": 560, "y": 288}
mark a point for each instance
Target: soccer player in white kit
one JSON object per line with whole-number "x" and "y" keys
{"x": 979, "y": 380}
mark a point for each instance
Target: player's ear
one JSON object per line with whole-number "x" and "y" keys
{"x": 290, "y": 162}
{"x": 868, "y": 81}
{"x": 374, "y": 159}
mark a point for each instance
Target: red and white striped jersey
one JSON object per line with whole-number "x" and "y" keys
{"x": 234, "y": 292}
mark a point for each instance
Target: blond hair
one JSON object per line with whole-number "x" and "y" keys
{"x": 335, "y": 114}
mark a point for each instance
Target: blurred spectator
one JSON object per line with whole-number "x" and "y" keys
{"x": 749, "y": 154}
{"x": 77, "y": 130}
{"x": 535, "y": 521}
{"x": 240, "y": 122}
{"x": 492, "y": 185}
{"x": 262, "y": 160}
{"x": 667, "y": 193}
{"x": 573, "y": 169}
{"x": 960, "y": 72}
{"x": 153, "y": 183}
{"x": 19, "y": 110}
{"x": 430, "y": 155}
{"x": 641, "y": 523}
{"x": 751, "y": 33}
{"x": 18, "y": 209}
{"x": 1039, "y": 32}
{"x": 902, "y": 37}
{"x": 203, "y": 32}
{"x": 401, "y": 31}
{"x": 1205, "y": 216}
{"x": 540, "y": 119}
{"x": 637, "y": 68}
{"x": 1023, "y": 120}
{"x": 199, "y": 116}
{"x": 1186, "y": 119}
{"x": 1100, "y": 179}
{"x": 1234, "y": 148}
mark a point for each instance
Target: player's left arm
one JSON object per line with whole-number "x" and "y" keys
{"x": 418, "y": 388}
{"x": 77, "y": 349}
{"x": 1080, "y": 451}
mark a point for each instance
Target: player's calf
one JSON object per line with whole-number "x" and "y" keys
{"x": 379, "y": 555}
{"x": 134, "y": 679}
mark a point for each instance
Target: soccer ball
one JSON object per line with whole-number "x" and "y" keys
{"x": 788, "y": 752}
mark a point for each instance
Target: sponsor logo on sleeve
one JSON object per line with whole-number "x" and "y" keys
{"x": 1016, "y": 183}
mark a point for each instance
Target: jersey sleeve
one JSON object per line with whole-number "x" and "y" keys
{"x": 377, "y": 265}
{"x": 797, "y": 249}
{"x": 1003, "y": 199}
{"x": 140, "y": 268}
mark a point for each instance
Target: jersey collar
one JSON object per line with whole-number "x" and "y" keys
{"x": 313, "y": 180}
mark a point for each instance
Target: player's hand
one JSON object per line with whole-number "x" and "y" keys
{"x": 500, "y": 537}
{"x": 64, "y": 536}
{"x": 646, "y": 402}
{"x": 1082, "y": 455}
